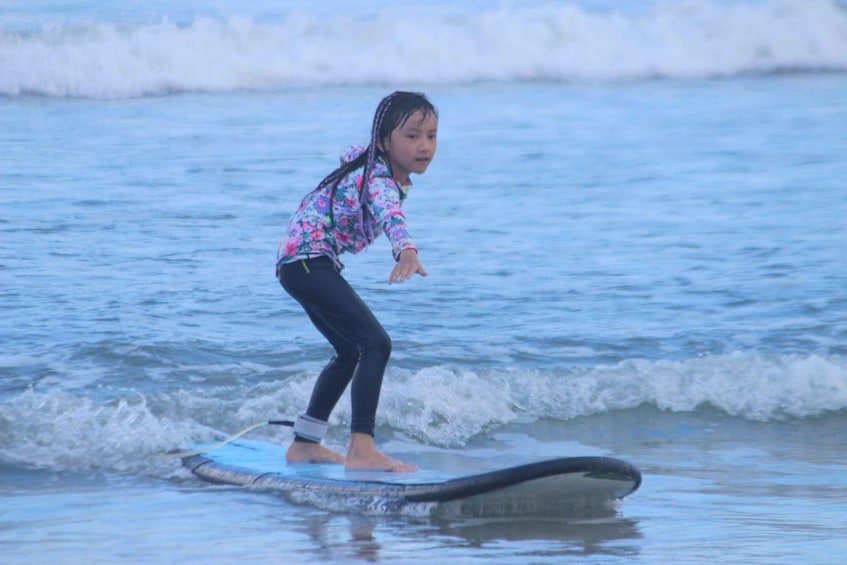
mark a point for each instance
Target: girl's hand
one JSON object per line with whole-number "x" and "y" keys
{"x": 406, "y": 267}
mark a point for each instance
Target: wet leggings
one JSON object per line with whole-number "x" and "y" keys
{"x": 361, "y": 345}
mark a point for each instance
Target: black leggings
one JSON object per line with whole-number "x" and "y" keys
{"x": 361, "y": 345}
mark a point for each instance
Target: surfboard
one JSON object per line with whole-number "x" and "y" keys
{"x": 586, "y": 480}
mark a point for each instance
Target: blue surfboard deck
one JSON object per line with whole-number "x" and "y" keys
{"x": 262, "y": 465}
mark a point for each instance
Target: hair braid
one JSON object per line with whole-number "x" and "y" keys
{"x": 373, "y": 151}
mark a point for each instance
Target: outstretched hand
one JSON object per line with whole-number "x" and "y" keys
{"x": 406, "y": 267}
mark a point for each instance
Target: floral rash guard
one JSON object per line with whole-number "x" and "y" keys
{"x": 312, "y": 232}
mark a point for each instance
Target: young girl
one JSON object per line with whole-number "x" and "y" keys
{"x": 346, "y": 212}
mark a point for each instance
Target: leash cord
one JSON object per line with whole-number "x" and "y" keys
{"x": 230, "y": 439}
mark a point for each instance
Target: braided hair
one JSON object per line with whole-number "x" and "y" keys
{"x": 391, "y": 113}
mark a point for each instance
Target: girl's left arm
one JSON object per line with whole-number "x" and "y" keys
{"x": 385, "y": 207}
{"x": 385, "y": 198}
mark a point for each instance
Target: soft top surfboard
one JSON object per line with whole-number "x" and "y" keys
{"x": 573, "y": 480}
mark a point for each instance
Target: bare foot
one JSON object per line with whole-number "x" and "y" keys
{"x": 363, "y": 456}
{"x": 303, "y": 452}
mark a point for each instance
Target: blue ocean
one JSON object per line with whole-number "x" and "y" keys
{"x": 635, "y": 229}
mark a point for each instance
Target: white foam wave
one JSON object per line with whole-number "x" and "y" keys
{"x": 556, "y": 42}
{"x": 444, "y": 407}
{"x": 438, "y": 406}
{"x": 57, "y": 430}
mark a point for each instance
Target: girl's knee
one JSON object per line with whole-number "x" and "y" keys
{"x": 385, "y": 345}
{"x": 346, "y": 357}
{"x": 379, "y": 344}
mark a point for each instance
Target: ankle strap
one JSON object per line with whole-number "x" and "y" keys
{"x": 310, "y": 428}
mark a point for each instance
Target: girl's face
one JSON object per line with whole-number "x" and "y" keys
{"x": 411, "y": 146}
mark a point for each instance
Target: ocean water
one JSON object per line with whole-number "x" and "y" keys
{"x": 635, "y": 229}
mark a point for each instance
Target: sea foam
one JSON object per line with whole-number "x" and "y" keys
{"x": 440, "y": 406}
{"x": 559, "y": 42}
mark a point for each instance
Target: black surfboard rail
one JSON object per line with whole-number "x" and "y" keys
{"x": 595, "y": 467}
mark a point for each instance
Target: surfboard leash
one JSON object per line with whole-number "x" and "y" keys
{"x": 230, "y": 439}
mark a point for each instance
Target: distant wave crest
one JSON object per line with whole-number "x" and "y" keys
{"x": 552, "y": 43}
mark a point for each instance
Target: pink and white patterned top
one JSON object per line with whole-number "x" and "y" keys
{"x": 312, "y": 231}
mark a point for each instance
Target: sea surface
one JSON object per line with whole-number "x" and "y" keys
{"x": 636, "y": 236}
